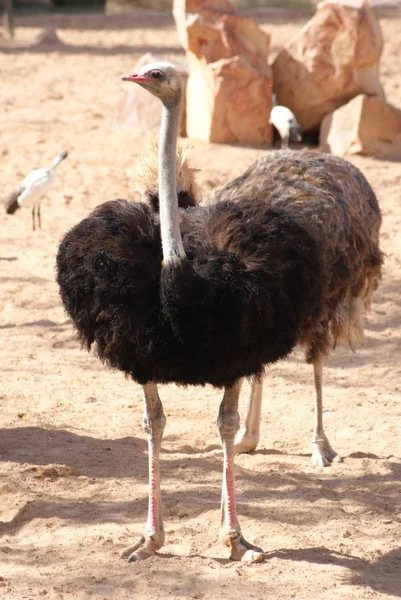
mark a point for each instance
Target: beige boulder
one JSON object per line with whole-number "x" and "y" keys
{"x": 138, "y": 111}
{"x": 229, "y": 90}
{"x": 188, "y": 12}
{"x": 334, "y": 58}
{"x": 214, "y": 31}
{"x": 229, "y": 101}
{"x": 365, "y": 125}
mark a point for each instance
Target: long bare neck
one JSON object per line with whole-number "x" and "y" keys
{"x": 173, "y": 249}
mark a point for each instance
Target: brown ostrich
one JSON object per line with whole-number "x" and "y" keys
{"x": 332, "y": 200}
{"x": 212, "y": 294}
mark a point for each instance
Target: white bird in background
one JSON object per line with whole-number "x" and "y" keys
{"x": 32, "y": 190}
{"x": 286, "y": 124}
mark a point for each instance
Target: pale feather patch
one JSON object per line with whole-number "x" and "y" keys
{"x": 145, "y": 173}
{"x": 348, "y": 322}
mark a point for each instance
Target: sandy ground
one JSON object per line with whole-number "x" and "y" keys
{"x": 73, "y": 454}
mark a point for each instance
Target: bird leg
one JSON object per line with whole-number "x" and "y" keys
{"x": 230, "y": 532}
{"x": 153, "y": 423}
{"x": 322, "y": 452}
{"x": 39, "y": 217}
{"x": 247, "y": 437}
{"x": 33, "y": 218}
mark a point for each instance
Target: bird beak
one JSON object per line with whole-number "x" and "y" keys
{"x": 137, "y": 78}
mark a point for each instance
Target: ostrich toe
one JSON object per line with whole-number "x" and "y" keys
{"x": 245, "y": 441}
{"x": 145, "y": 547}
{"x": 322, "y": 452}
{"x": 241, "y": 550}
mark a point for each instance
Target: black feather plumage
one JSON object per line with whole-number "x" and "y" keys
{"x": 236, "y": 304}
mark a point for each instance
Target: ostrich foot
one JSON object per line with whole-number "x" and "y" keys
{"x": 145, "y": 547}
{"x": 241, "y": 549}
{"x": 322, "y": 452}
{"x": 245, "y": 441}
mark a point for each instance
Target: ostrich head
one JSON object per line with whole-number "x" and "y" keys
{"x": 160, "y": 79}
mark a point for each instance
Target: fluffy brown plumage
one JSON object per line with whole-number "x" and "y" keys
{"x": 332, "y": 200}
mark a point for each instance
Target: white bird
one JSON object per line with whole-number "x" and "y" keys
{"x": 286, "y": 124}
{"x": 32, "y": 190}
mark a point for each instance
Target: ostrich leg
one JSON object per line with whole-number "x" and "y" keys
{"x": 230, "y": 532}
{"x": 322, "y": 452}
{"x": 153, "y": 423}
{"x": 247, "y": 438}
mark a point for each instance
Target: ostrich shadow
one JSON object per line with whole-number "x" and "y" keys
{"x": 192, "y": 484}
{"x": 380, "y": 575}
{"x": 86, "y": 455}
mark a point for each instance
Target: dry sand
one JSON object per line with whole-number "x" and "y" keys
{"x": 73, "y": 454}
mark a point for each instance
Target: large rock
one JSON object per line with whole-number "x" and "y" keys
{"x": 229, "y": 89}
{"x": 211, "y": 30}
{"x": 334, "y": 58}
{"x": 187, "y": 12}
{"x": 138, "y": 111}
{"x": 365, "y": 125}
{"x": 228, "y": 101}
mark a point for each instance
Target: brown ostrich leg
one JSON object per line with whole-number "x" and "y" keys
{"x": 248, "y": 437}
{"x": 230, "y": 531}
{"x": 322, "y": 452}
{"x": 154, "y": 422}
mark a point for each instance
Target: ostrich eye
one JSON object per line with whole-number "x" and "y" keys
{"x": 156, "y": 74}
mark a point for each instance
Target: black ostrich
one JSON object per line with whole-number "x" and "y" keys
{"x": 205, "y": 294}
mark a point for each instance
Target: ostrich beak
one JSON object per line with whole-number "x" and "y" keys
{"x": 137, "y": 78}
